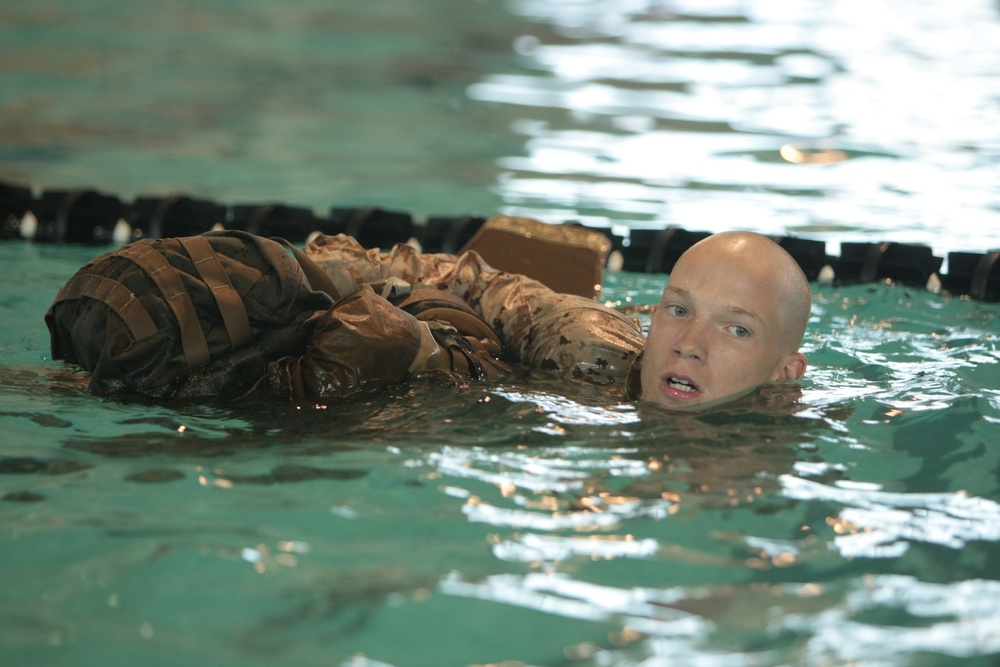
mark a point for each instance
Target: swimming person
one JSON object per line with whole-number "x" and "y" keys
{"x": 732, "y": 317}
{"x": 225, "y": 313}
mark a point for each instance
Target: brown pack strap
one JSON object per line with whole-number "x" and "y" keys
{"x": 430, "y": 304}
{"x": 169, "y": 283}
{"x": 231, "y": 307}
{"x": 116, "y": 296}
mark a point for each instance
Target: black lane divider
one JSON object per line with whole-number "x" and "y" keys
{"x": 89, "y": 216}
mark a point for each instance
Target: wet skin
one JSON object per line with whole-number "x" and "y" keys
{"x": 727, "y": 322}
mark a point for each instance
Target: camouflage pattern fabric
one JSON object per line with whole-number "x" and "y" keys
{"x": 536, "y": 326}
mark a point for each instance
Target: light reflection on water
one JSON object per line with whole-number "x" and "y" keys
{"x": 558, "y": 522}
{"x": 970, "y": 607}
{"x": 879, "y": 524}
{"x": 842, "y": 121}
{"x": 643, "y": 610}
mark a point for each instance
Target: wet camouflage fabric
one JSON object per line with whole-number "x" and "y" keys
{"x": 536, "y": 326}
{"x": 315, "y": 329}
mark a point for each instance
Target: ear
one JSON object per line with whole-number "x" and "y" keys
{"x": 792, "y": 367}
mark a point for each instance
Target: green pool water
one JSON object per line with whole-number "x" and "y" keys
{"x": 535, "y": 522}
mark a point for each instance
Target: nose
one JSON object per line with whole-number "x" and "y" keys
{"x": 690, "y": 344}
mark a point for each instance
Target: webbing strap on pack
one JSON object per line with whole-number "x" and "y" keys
{"x": 117, "y": 297}
{"x": 169, "y": 283}
{"x": 231, "y": 307}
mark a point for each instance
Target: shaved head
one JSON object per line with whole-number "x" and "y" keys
{"x": 764, "y": 260}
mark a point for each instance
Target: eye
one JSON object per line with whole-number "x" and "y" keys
{"x": 740, "y": 331}
{"x": 677, "y": 311}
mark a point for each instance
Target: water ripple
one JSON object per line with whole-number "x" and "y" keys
{"x": 642, "y": 609}
{"x": 972, "y": 629}
{"x": 531, "y": 547}
{"x": 881, "y": 524}
{"x": 567, "y": 411}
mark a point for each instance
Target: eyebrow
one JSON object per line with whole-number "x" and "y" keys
{"x": 736, "y": 310}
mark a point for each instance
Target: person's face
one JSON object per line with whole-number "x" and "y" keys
{"x": 717, "y": 332}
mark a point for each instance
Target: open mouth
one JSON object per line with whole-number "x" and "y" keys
{"x": 681, "y": 385}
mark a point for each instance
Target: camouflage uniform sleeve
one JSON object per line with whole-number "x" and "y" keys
{"x": 537, "y": 326}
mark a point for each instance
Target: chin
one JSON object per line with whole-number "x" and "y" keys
{"x": 694, "y": 404}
